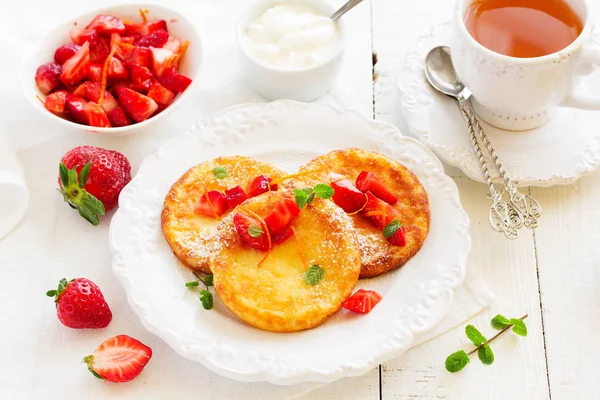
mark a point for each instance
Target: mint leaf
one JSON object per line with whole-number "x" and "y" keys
{"x": 313, "y": 275}
{"x": 207, "y": 299}
{"x": 324, "y": 191}
{"x": 83, "y": 175}
{"x": 474, "y": 335}
{"x": 300, "y": 197}
{"x": 208, "y": 280}
{"x": 192, "y": 284}
{"x": 485, "y": 354}
{"x": 500, "y": 322}
{"x": 219, "y": 172}
{"x": 64, "y": 175}
{"x": 255, "y": 231}
{"x": 391, "y": 228}
{"x": 457, "y": 361}
{"x": 519, "y": 327}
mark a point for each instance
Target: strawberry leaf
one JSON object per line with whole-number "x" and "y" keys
{"x": 64, "y": 175}
{"x": 84, "y": 174}
{"x": 91, "y": 218}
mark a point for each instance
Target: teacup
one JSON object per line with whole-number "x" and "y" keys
{"x": 524, "y": 93}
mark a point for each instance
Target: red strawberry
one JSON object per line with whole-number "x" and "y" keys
{"x": 161, "y": 60}
{"x": 161, "y": 94}
{"x": 47, "y": 77}
{"x": 369, "y": 182}
{"x": 99, "y": 49}
{"x": 259, "y": 185}
{"x": 282, "y": 215}
{"x": 122, "y": 49}
{"x": 74, "y": 105}
{"x": 55, "y": 102}
{"x": 378, "y": 211}
{"x": 106, "y": 24}
{"x": 214, "y": 204}
{"x": 347, "y": 196}
{"x": 172, "y": 44}
{"x": 235, "y": 196}
{"x": 116, "y": 69}
{"x": 91, "y": 91}
{"x": 108, "y": 173}
{"x": 80, "y": 304}
{"x": 282, "y": 235}
{"x": 242, "y": 225}
{"x": 95, "y": 74}
{"x": 363, "y": 301}
{"x": 76, "y": 68}
{"x": 141, "y": 56}
{"x": 129, "y": 39}
{"x": 145, "y": 28}
{"x": 118, "y": 117}
{"x": 96, "y": 115}
{"x": 174, "y": 81}
{"x": 155, "y": 39}
{"x": 118, "y": 359}
{"x": 64, "y": 52}
{"x": 79, "y": 36}
{"x": 138, "y": 106}
{"x": 398, "y": 238}
{"x": 141, "y": 77}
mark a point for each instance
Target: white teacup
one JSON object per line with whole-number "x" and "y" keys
{"x": 523, "y": 93}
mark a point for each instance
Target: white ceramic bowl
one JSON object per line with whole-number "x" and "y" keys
{"x": 305, "y": 84}
{"x": 43, "y": 52}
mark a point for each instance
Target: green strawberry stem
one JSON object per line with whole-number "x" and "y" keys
{"x": 72, "y": 189}
{"x": 476, "y": 349}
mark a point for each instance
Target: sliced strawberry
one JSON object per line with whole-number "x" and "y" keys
{"x": 99, "y": 48}
{"x": 161, "y": 60}
{"x": 79, "y": 36}
{"x": 96, "y": 116}
{"x": 282, "y": 215}
{"x": 141, "y": 56}
{"x": 155, "y": 39}
{"x": 106, "y": 24}
{"x": 213, "y": 204}
{"x": 145, "y": 28}
{"x": 116, "y": 70}
{"x": 74, "y": 105}
{"x": 378, "y": 211}
{"x": 129, "y": 39}
{"x": 76, "y": 68}
{"x": 369, "y": 182}
{"x": 141, "y": 77}
{"x": 282, "y": 235}
{"x": 347, "y": 196}
{"x": 95, "y": 74}
{"x": 119, "y": 359}
{"x": 55, "y": 102}
{"x": 235, "y": 196}
{"x": 118, "y": 117}
{"x": 259, "y": 185}
{"x": 363, "y": 301}
{"x": 174, "y": 81}
{"x": 47, "y": 77}
{"x": 173, "y": 44}
{"x": 242, "y": 225}
{"x": 398, "y": 238}
{"x": 64, "y": 52}
{"x": 161, "y": 94}
{"x": 138, "y": 106}
{"x": 122, "y": 49}
{"x": 91, "y": 91}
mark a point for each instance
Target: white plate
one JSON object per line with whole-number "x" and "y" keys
{"x": 286, "y": 133}
{"x": 560, "y": 152}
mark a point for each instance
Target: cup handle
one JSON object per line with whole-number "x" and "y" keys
{"x": 589, "y": 58}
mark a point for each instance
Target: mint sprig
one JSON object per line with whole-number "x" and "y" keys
{"x": 206, "y": 297}
{"x": 391, "y": 228}
{"x": 219, "y": 172}
{"x": 305, "y": 196}
{"x": 255, "y": 231}
{"x": 458, "y": 360}
{"x": 313, "y": 275}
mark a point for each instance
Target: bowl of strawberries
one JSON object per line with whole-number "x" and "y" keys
{"x": 115, "y": 70}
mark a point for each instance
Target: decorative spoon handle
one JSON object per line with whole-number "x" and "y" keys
{"x": 344, "y": 9}
{"x": 504, "y": 216}
{"x": 529, "y": 207}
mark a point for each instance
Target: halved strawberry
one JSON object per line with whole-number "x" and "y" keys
{"x": 235, "y": 196}
{"x": 119, "y": 359}
{"x": 118, "y": 117}
{"x": 79, "y": 36}
{"x": 369, "y": 182}
{"x": 55, "y": 102}
{"x": 282, "y": 215}
{"x": 347, "y": 196}
{"x": 141, "y": 77}
{"x": 259, "y": 185}
{"x": 282, "y": 235}
{"x": 161, "y": 94}
{"x": 155, "y": 39}
{"x": 242, "y": 225}
{"x": 76, "y": 68}
{"x": 173, "y": 44}
{"x": 145, "y": 28}
{"x": 138, "y": 106}
{"x": 106, "y": 24}
{"x": 74, "y": 105}
{"x": 161, "y": 60}
{"x": 141, "y": 56}
{"x": 116, "y": 69}
{"x": 47, "y": 77}
{"x": 95, "y": 74}
{"x": 362, "y": 301}
{"x": 378, "y": 211}
{"x": 64, "y": 52}
{"x": 96, "y": 116}
{"x": 398, "y": 238}
{"x": 99, "y": 48}
{"x": 91, "y": 91}
{"x": 213, "y": 204}
{"x": 122, "y": 49}
{"x": 174, "y": 81}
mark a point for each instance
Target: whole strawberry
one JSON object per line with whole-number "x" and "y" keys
{"x": 80, "y": 304}
{"x": 91, "y": 178}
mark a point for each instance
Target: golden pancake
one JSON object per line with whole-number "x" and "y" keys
{"x": 191, "y": 236}
{"x": 273, "y": 295}
{"x": 378, "y": 255}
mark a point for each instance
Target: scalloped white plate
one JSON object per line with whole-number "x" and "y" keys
{"x": 558, "y": 153}
{"x": 286, "y": 133}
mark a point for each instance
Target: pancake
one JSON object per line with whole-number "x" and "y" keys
{"x": 274, "y": 295}
{"x": 191, "y": 236}
{"x": 378, "y": 255}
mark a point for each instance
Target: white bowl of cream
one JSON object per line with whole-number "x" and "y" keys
{"x": 290, "y": 49}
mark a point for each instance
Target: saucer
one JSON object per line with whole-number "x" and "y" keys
{"x": 557, "y": 153}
